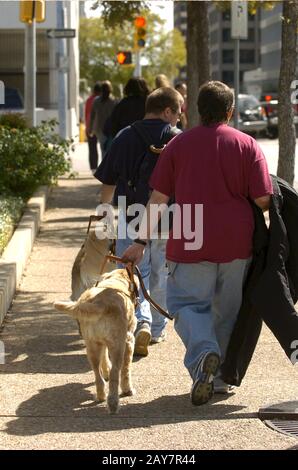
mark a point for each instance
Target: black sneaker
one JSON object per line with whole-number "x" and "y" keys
{"x": 202, "y": 388}
{"x": 142, "y": 339}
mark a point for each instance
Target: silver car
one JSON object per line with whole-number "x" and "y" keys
{"x": 252, "y": 116}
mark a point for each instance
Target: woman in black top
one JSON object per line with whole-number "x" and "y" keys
{"x": 132, "y": 107}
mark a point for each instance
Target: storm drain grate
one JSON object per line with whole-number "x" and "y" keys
{"x": 290, "y": 428}
{"x": 281, "y": 417}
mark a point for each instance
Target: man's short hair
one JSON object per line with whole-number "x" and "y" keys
{"x": 97, "y": 87}
{"x": 162, "y": 98}
{"x": 215, "y": 100}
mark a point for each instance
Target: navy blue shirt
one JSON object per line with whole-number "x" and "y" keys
{"x": 127, "y": 148}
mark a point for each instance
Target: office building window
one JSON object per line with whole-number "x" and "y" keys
{"x": 228, "y": 77}
{"x": 226, "y": 34}
{"x": 251, "y": 34}
{"x": 227, "y": 56}
{"x": 226, "y": 15}
{"x": 247, "y": 56}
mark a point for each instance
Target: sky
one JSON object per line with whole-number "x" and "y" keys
{"x": 166, "y": 12}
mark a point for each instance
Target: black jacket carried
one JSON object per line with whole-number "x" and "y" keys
{"x": 271, "y": 288}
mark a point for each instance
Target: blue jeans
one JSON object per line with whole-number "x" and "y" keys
{"x": 205, "y": 299}
{"x": 154, "y": 273}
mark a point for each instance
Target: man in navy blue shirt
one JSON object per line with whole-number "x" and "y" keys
{"x": 163, "y": 108}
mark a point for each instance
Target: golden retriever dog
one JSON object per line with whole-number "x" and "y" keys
{"x": 106, "y": 314}
{"x": 88, "y": 263}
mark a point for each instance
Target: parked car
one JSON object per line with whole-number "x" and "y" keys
{"x": 271, "y": 109}
{"x": 13, "y": 100}
{"x": 252, "y": 116}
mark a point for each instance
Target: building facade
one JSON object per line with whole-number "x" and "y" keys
{"x": 12, "y": 59}
{"x": 266, "y": 78}
{"x": 222, "y": 45}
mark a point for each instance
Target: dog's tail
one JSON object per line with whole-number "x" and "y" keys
{"x": 80, "y": 310}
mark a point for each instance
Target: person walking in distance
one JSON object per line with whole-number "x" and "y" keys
{"x": 92, "y": 139}
{"x": 102, "y": 109}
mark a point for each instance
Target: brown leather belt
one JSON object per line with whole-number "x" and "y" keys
{"x": 131, "y": 269}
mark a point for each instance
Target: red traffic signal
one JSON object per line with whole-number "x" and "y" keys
{"x": 124, "y": 57}
{"x": 140, "y": 34}
{"x": 140, "y": 22}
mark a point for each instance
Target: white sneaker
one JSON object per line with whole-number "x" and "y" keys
{"x": 158, "y": 339}
{"x": 221, "y": 387}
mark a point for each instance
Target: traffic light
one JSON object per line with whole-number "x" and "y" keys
{"x": 140, "y": 34}
{"x": 30, "y": 10}
{"x": 124, "y": 57}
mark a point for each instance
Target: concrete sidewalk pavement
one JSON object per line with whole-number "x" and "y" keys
{"x": 47, "y": 387}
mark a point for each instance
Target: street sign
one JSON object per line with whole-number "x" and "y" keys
{"x": 239, "y": 20}
{"x": 61, "y": 33}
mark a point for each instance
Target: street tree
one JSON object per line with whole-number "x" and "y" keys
{"x": 116, "y": 13}
{"x": 286, "y": 126}
{"x": 198, "y": 57}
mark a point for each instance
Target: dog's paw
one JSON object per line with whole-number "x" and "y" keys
{"x": 100, "y": 398}
{"x": 128, "y": 393}
{"x": 113, "y": 405}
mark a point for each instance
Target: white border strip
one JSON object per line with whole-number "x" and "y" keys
{"x": 18, "y": 250}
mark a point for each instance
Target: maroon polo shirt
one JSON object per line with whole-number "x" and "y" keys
{"x": 220, "y": 168}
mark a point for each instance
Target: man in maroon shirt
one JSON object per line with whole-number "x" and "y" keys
{"x": 92, "y": 140}
{"x": 212, "y": 170}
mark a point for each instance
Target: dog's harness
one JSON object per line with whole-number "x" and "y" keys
{"x": 131, "y": 269}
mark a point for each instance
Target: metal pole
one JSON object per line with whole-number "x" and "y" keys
{"x": 138, "y": 67}
{"x": 30, "y": 72}
{"x": 236, "y": 80}
{"x": 62, "y": 73}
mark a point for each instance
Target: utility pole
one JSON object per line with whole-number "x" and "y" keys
{"x": 238, "y": 31}
{"x": 30, "y": 72}
{"x": 30, "y": 13}
{"x": 62, "y": 72}
{"x": 138, "y": 68}
{"x": 140, "y": 41}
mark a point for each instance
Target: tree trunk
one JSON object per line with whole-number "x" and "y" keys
{"x": 198, "y": 59}
{"x": 286, "y": 126}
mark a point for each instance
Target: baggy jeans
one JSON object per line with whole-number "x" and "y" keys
{"x": 205, "y": 298}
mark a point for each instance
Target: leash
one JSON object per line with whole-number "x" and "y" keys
{"x": 131, "y": 267}
{"x": 94, "y": 218}
{"x": 98, "y": 218}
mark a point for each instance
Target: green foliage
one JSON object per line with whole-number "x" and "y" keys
{"x": 14, "y": 120}
{"x": 31, "y": 157}
{"x": 10, "y": 212}
{"x": 115, "y": 12}
{"x": 164, "y": 51}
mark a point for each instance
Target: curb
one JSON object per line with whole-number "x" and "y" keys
{"x": 18, "y": 250}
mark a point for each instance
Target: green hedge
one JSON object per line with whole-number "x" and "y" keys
{"x": 29, "y": 158}
{"x": 10, "y": 213}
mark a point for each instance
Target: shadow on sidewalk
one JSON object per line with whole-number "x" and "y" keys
{"x": 46, "y": 342}
{"x": 66, "y": 229}
{"x": 57, "y": 409}
{"x": 67, "y": 197}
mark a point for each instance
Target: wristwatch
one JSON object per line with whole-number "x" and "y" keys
{"x": 140, "y": 242}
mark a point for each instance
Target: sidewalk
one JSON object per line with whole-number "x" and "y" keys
{"x": 47, "y": 387}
